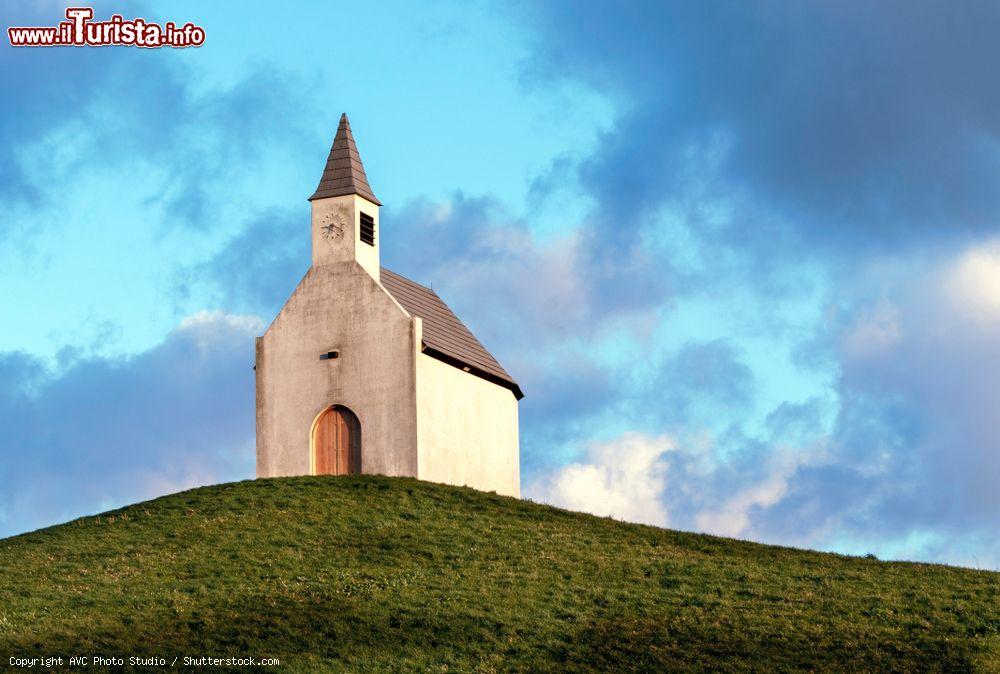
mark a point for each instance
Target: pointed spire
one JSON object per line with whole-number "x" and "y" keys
{"x": 344, "y": 172}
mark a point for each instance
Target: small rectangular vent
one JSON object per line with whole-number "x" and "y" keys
{"x": 368, "y": 229}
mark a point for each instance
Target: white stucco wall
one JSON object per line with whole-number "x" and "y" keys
{"x": 337, "y": 306}
{"x": 466, "y": 429}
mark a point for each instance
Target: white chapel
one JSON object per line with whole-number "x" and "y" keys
{"x": 365, "y": 371}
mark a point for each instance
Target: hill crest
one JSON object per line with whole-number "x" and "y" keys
{"x": 391, "y": 574}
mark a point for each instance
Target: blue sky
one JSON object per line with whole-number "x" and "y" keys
{"x": 743, "y": 258}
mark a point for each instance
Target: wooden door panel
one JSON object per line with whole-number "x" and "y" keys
{"x": 325, "y": 444}
{"x": 343, "y": 442}
{"x": 337, "y": 443}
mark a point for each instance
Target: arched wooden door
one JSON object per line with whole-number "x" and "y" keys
{"x": 336, "y": 442}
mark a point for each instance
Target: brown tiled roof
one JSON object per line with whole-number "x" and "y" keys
{"x": 445, "y": 337}
{"x": 344, "y": 173}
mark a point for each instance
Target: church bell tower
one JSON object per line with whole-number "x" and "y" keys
{"x": 345, "y": 222}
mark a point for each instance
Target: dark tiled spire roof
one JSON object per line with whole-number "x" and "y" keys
{"x": 445, "y": 336}
{"x": 344, "y": 173}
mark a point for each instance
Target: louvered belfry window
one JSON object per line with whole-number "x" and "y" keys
{"x": 368, "y": 229}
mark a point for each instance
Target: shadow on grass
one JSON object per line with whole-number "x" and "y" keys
{"x": 635, "y": 645}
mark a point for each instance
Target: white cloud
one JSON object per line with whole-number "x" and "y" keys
{"x": 222, "y": 321}
{"x": 623, "y": 478}
{"x": 733, "y": 517}
{"x": 654, "y": 480}
{"x": 972, "y": 283}
{"x": 929, "y": 398}
{"x": 207, "y": 328}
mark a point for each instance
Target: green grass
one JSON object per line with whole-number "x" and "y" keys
{"x": 378, "y": 574}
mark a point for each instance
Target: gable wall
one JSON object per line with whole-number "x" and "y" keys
{"x": 466, "y": 428}
{"x": 337, "y": 306}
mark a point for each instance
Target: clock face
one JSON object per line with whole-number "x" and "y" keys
{"x": 333, "y": 225}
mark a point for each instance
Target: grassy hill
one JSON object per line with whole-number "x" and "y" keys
{"x": 378, "y": 574}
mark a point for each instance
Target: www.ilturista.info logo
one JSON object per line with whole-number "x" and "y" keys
{"x": 80, "y": 31}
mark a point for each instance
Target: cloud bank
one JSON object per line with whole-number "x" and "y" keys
{"x": 92, "y": 433}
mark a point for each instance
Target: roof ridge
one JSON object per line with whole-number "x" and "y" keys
{"x": 406, "y": 278}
